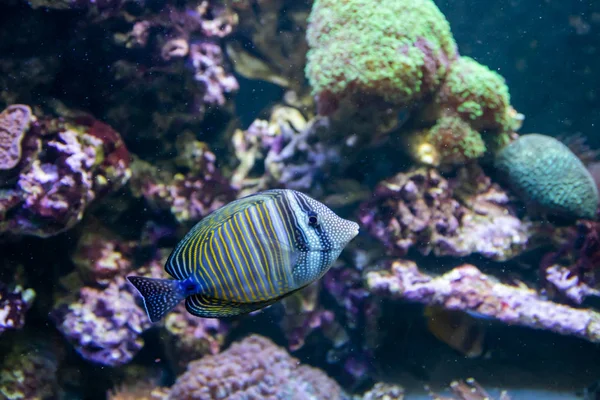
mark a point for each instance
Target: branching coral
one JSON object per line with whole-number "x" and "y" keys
{"x": 467, "y": 215}
{"x": 465, "y": 288}
{"x": 413, "y": 52}
{"x": 286, "y": 151}
{"x": 253, "y": 368}
{"x": 549, "y": 178}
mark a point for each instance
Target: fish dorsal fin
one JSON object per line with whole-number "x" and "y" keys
{"x": 183, "y": 259}
{"x": 206, "y": 307}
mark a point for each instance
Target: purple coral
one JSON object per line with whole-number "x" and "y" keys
{"x": 286, "y": 151}
{"x": 254, "y": 368}
{"x": 14, "y": 303}
{"x": 105, "y": 324}
{"x": 79, "y": 162}
{"x": 14, "y": 123}
{"x": 189, "y": 197}
{"x": 465, "y": 288}
{"x": 422, "y": 209}
{"x": 207, "y": 62}
{"x": 101, "y": 256}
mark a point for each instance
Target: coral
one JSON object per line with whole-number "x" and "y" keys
{"x": 188, "y": 197}
{"x": 14, "y": 122}
{"x": 101, "y": 256}
{"x": 207, "y": 59}
{"x": 105, "y": 324}
{"x": 304, "y": 315}
{"x": 28, "y": 371}
{"x": 478, "y": 95}
{"x": 14, "y": 303}
{"x": 74, "y": 4}
{"x": 466, "y": 215}
{"x": 139, "y": 391}
{"x": 285, "y": 151}
{"x": 465, "y": 288}
{"x": 251, "y": 369}
{"x": 413, "y": 52}
{"x": 79, "y": 162}
{"x": 451, "y": 141}
{"x": 191, "y": 337}
{"x": 384, "y": 391}
{"x": 572, "y": 269}
{"x": 468, "y": 389}
{"x": 186, "y": 76}
{"x": 548, "y": 177}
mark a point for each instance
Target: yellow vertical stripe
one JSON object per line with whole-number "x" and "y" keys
{"x": 239, "y": 265}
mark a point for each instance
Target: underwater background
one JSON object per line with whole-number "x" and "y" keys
{"x": 475, "y": 273}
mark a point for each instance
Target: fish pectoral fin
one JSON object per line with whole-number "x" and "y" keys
{"x": 287, "y": 250}
{"x": 206, "y": 307}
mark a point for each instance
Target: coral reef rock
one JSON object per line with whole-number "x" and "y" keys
{"x": 422, "y": 209}
{"x": 465, "y": 288}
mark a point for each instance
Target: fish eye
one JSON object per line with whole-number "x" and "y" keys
{"x": 313, "y": 219}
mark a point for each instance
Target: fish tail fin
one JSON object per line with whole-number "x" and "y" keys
{"x": 160, "y": 295}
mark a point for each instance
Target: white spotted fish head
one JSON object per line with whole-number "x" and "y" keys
{"x": 324, "y": 229}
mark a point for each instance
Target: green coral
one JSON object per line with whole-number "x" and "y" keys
{"x": 478, "y": 94}
{"x": 548, "y": 177}
{"x": 455, "y": 141}
{"x": 397, "y": 50}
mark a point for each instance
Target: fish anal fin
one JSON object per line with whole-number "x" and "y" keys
{"x": 206, "y": 307}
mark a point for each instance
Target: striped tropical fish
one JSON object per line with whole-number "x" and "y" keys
{"x": 248, "y": 255}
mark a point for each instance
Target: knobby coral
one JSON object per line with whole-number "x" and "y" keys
{"x": 414, "y": 50}
{"x": 254, "y": 368}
